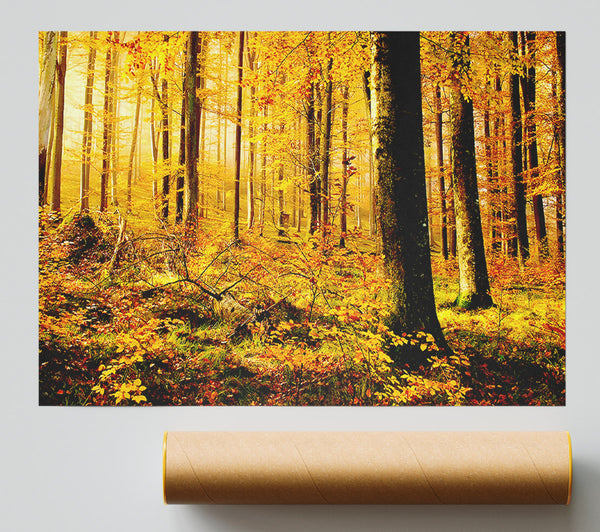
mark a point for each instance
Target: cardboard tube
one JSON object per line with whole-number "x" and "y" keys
{"x": 367, "y": 468}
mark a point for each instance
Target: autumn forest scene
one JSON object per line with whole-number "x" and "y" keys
{"x": 302, "y": 218}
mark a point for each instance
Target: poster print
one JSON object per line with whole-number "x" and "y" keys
{"x": 302, "y": 218}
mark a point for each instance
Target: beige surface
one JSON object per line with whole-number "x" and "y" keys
{"x": 367, "y": 467}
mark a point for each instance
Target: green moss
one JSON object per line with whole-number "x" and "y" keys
{"x": 471, "y": 301}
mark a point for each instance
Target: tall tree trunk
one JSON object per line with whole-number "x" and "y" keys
{"x": 86, "y": 148}
{"x": 560, "y": 198}
{"x": 313, "y": 170}
{"x": 326, "y": 146}
{"x": 200, "y": 116}
{"x": 516, "y": 156}
{"x": 114, "y": 141}
{"x": 136, "y": 125}
{"x": 397, "y": 130}
{"x": 59, "y": 110}
{"x": 166, "y": 178}
{"x": 345, "y": 169}
{"x": 218, "y": 188}
{"x": 440, "y": 163}
{"x": 190, "y": 213}
{"x": 528, "y": 85}
{"x": 202, "y": 182}
{"x": 252, "y": 144}
{"x": 46, "y": 109}
{"x": 238, "y": 141}
{"x": 263, "y": 173}
{"x": 225, "y": 122}
{"x": 474, "y": 286}
{"x": 180, "y": 184}
{"x": 492, "y": 188}
{"x": 106, "y": 126}
{"x": 280, "y": 198}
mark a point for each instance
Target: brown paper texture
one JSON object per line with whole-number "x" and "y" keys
{"x": 367, "y": 467}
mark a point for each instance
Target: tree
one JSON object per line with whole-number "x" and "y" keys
{"x": 345, "y": 169}
{"x": 59, "y": 111}
{"x": 440, "y": 164}
{"x": 113, "y": 112}
{"x": 190, "y": 214}
{"x": 398, "y": 156}
{"x": 107, "y": 123}
{"x": 474, "y": 285}
{"x": 136, "y": 125}
{"x": 516, "y": 157}
{"x": 163, "y": 100}
{"x": 252, "y": 148}
{"x": 326, "y": 144}
{"x": 84, "y": 196}
{"x": 528, "y": 86}
{"x": 560, "y": 133}
{"x": 238, "y": 141}
{"x": 46, "y": 108}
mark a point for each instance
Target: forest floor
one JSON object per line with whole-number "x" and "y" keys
{"x": 127, "y": 317}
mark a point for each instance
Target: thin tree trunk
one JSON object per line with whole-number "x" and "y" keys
{"x": 280, "y": 199}
{"x": 166, "y": 178}
{"x": 218, "y": 187}
{"x": 238, "y": 141}
{"x": 263, "y": 173}
{"x": 114, "y": 144}
{"x": 46, "y": 110}
{"x": 312, "y": 163}
{"x": 202, "y": 182}
{"x": 440, "y": 162}
{"x": 189, "y": 93}
{"x": 180, "y": 184}
{"x": 136, "y": 123}
{"x": 225, "y": 121}
{"x": 474, "y": 286}
{"x": 59, "y": 110}
{"x": 106, "y": 138}
{"x": 345, "y": 169}
{"x": 326, "y": 147}
{"x": 86, "y": 148}
{"x": 252, "y": 145}
{"x": 560, "y": 198}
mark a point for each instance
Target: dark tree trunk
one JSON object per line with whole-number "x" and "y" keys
{"x": 238, "y": 141}
{"x": 528, "y": 85}
{"x": 180, "y": 183}
{"x": 397, "y": 130}
{"x": 166, "y": 178}
{"x": 325, "y": 147}
{"x": 59, "y": 112}
{"x": 263, "y": 173}
{"x": 252, "y": 143}
{"x": 106, "y": 138}
{"x": 345, "y": 169}
{"x": 114, "y": 145}
{"x": 560, "y": 199}
{"x": 191, "y": 154}
{"x": 313, "y": 164}
{"x": 474, "y": 286}
{"x": 440, "y": 161}
{"x": 516, "y": 156}
{"x": 84, "y": 195}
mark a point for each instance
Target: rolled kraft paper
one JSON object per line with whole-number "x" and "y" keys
{"x": 367, "y": 467}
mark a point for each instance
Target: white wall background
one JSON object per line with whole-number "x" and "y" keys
{"x": 99, "y": 469}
